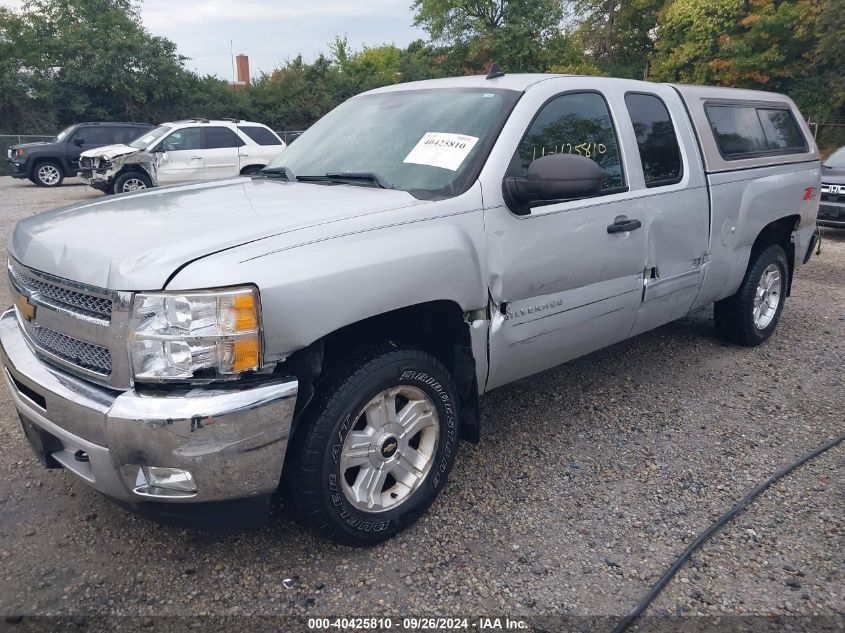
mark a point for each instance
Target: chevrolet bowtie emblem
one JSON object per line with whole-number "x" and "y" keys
{"x": 25, "y": 308}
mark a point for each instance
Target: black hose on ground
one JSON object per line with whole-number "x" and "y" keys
{"x": 706, "y": 534}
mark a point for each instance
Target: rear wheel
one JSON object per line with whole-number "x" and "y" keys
{"x": 750, "y": 316}
{"x": 251, "y": 169}
{"x": 48, "y": 173}
{"x": 377, "y": 446}
{"x": 131, "y": 181}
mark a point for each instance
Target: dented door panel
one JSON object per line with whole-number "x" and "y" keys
{"x": 553, "y": 299}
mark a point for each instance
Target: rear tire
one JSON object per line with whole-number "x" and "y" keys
{"x": 130, "y": 181}
{"x": 376, "y": 446}
{"x": 48, "y": 173}
{"x": 751, "y": 315}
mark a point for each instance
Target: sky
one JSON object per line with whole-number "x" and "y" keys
{"x": 271, "y": 31}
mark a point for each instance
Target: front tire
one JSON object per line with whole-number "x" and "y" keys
{"x": 751, "y": 315}
{"x": 48, "y": 173}
{"x": 376, "y": 446}
{"x": 130, "y": 181}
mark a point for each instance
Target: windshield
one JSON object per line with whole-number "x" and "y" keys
{"x": 430, "y": 143}
{"x": 148, "y": 138}
{"x": 63, "y": 134}
{"x": 837, "y": 159}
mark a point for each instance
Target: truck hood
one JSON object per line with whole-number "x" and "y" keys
{"x": 109, "y": 151}
{"x": 137, "y": 241}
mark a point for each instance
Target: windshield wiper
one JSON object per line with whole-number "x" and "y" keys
{"x": 278, "y": 171}
{"x": 349, "y": 175}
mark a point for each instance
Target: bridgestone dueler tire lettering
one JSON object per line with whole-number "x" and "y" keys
{"x": 313, "y": 479}
{"x": 734, "y": 316}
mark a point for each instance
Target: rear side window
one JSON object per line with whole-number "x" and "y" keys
{"x": 217, "y": 137}
{"x": 260, "y": 135}
{"x": 574, "y": 123}
{"x": 656, "y": 140}
{"x": 127, "y": 134}
{"x": 781, "y": 131}
{"x": 746, "y": 131}
{"x": 92, "y": 136}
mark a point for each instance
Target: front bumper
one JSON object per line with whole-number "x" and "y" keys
{"x": 96, "y": 178}
{"x": 233, "y": 441}
{"x": 16, "y": 170}
{"x": 831, "y": 214}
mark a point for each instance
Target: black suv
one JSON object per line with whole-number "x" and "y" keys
{"x": 48, "y": 163}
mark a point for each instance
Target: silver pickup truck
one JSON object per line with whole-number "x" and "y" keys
{"x": 325, "y": 327}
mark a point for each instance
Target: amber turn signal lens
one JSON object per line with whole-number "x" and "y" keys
{"x": 246, "y": 315}
{"x": 245, "y": 355}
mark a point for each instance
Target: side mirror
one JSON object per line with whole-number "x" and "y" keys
{"x": 552, "y": 178}
{"x": 79, "y": 142}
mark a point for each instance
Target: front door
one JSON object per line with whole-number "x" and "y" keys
{"x": 563, "y": 282}
{"x": 181, "y": 157}
{"x": 221, "y": 153}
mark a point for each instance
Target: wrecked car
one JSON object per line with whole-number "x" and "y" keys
{"x": 327, "y": 326}
{"x": 48, "y": 163}
{"x": 178, "y": 152}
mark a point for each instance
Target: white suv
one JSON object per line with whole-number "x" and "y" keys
{"x": 182, "y": 151}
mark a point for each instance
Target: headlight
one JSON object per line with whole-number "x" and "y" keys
{"x": 17, "y": 153}
{"x": 212, "y": 334}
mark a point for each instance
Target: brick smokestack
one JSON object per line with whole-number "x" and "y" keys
{"x": 242, "y": 62}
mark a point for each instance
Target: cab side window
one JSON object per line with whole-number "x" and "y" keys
{"x": 656, "y": 140}
{"x": 187, "y": 138}
{"x": 575, "y": 123}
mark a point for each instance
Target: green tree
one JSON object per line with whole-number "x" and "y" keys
{"x": 513, "y": 32}
{"x": 618, "y": 35}
{"x": 20, "y": 110}
{"x": 94, "y": 59}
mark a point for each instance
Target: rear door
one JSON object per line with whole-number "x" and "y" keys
{"x": 673, "y": 200}
{"x": 182, "y": 156}
{"x": 221, "y": 152}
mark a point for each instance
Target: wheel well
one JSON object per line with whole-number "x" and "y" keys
{"x": 47, "y": 159}
{"x": 436, "y": 327}
{"x": 779, "y": 232}
{"x": 256, "y": 167}
{"x": 131, "y": 168}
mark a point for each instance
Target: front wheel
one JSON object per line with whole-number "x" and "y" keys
{"x": 376, "y": 447}
{"x": 132, "y": 181}
{"x": 48, "y": 174}
{"x": 750, "y": 316}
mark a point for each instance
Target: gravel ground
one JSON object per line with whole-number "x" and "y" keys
{"x": 588, "y": 482}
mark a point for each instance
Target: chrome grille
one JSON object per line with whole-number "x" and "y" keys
{"x": 75, "y": 326}
{"x": 79, "y": 302}
{"x": 86, "y": 355}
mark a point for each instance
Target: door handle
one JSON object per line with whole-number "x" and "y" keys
{"x": 621, "y": 224}
{"x": 196, "y": 157}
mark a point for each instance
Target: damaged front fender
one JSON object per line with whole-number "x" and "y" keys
{"x": 100, "y": 167}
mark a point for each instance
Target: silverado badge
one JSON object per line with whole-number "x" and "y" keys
{"x": 25, "y": 308}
